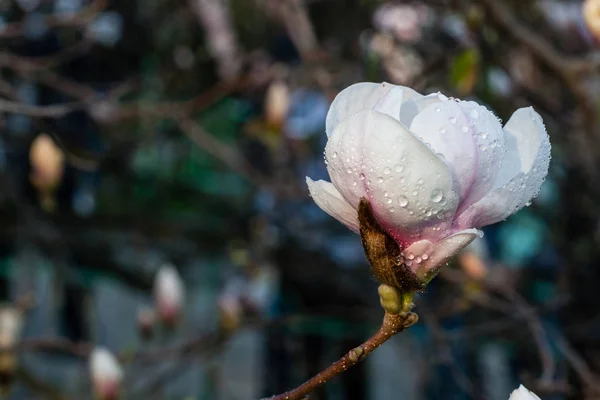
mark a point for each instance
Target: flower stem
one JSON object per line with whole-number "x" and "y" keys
{"x": 391, "y": 325}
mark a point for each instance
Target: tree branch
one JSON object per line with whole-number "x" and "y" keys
{"x": 392, "y": 324}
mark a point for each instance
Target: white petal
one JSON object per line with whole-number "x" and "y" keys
{"x": 358, "y": 97}
{"x": 528, "y": 157}
{"x": 384, "y": 97}
{"x": 522, "y": 393}
{"x": 470, "y": 139}
{"x": 413, "y": 105}
{"x": 409, "y": 187}
{"x": 528, "y": 146}
{"x": 331, "y": 201}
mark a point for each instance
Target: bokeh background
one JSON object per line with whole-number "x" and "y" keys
{"x": 143, "y": 132}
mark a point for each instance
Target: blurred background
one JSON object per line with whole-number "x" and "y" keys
{"x": 143, "y": 133}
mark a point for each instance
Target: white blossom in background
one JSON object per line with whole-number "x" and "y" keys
{"x": 405, "y": 22}
{"x": 432, "y": 168}
{"x": 522, "y": 393}
{"x": 105, "y": 373}
{"x": 169, "y": 294}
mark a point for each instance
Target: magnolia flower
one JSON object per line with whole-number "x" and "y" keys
{"x": 522, "y": 393}
{"x": 432, "y": 169}
{"x": 106, "y": 374}
{"x": 169, "y": 294}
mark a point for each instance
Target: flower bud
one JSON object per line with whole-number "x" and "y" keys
{"x": 11, "y": 323}
{"x": 145, "y": 320}
{"x": 591, "y": 16}
{"x": 169, "y": 294}
{"x": 106, "y": 374}
{"x": 277, "y": 103}
{"x": 231, "y": 312}
{"x": 522, "y": 393}
{"x": 47, "y": 163}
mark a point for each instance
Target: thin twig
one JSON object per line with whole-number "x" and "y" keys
{"x": 392, "y": 324}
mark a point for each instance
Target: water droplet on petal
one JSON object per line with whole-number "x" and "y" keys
{"x": 398, "y": 168}
{"x": 474, "y": 114}
{"x": 402, "y": 201}
{"x": 380, "y": 179}
{"x": 443, "y": 131}
{"x": 349, "y": 170}
{"x": 452, "y": 120}
{"x": 465, "y": 129}
{"x": 436, "y": 195}
{"x": 387, "y": 170}
{"x": 362, "y": 177}
{"x": 335, "y": 154}
{"x": 411, "y": 256}
{"x": 425, "y": 256}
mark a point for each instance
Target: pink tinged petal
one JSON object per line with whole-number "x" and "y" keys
{"x": 409, "y": 187}
{"x": 470, "y": 140}
{"x": 423, "y": 256}
{"x": 331, "y": 201}
{"x": 417, "y": 254}
{"x": 523, "y": 171}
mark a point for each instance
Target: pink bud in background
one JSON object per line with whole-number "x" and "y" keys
{"x": 522, "y": 393}
{"x": 169, "y": 294}
{"x": 145, "y": 320}
{"x": 433, "y": 169}
{"x": 106, "y": 374}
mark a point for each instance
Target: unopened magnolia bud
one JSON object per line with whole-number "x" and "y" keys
{"x": 231, "y": 311}
{"x": 47, "y": 163}
{"x": 145, "y": 321}
{"x": 11, "y": 324}
{"x": 106, "y": 374}
{"x": 277, "y": 104}
{"x": 169, "y": 294}
{"x": 591, "y": 15}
